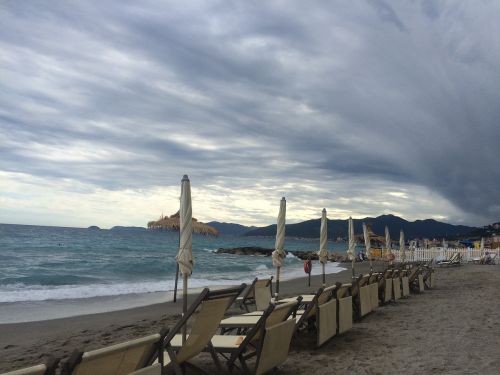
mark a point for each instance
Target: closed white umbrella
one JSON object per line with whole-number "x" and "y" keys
{"x": 279, "y": 254}
{"x": 445, "y": 247}
{"x": 413, "y": 245}
{"x": 351, "y": 251}
{"x": 368, "y": 245}
{"x": 482, "y": 246}
{"x": 402, "y": 245}
{"x": 185, "y": 254}
{"x": 388, "y": 245}
{"x": 323, "y": 243}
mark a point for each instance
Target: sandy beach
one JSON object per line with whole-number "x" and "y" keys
{"x": 452, "y": 329}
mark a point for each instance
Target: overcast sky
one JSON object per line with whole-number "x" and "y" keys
{"x": 362, "y": 107}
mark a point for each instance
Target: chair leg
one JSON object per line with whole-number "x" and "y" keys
{"x": 173, "y": 360}
{"x": 244, "y": 365}
{"x": 215, "y": 358}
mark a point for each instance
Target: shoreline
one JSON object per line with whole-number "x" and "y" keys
{"x": 32, "y": 311}
{"x": 450, "y": 329}
{"x": 19, "y": 333}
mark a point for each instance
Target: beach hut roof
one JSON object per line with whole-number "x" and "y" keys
{"x": 172, "y": 223}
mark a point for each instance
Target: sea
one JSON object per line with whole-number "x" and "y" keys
{"x": 54, "y": 272}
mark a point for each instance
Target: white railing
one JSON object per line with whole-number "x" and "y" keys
{"x": 440, "y": 253}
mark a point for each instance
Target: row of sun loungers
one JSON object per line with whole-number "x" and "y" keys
{"x": 456, "y": 259}
{"x": 254, "y": 342}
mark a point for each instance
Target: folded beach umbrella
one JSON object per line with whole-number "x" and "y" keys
{"x": 351, "y": 251}
{"x": 368, "y": 245}
{"x": 323, "y": 243}
{"x": 482, "y": 246}
{"x": 185, "y": 254}
{"x": 413, "y": 245}
{"x": 387, "y": 241}
{"x": 402, "y": 252}
{"x": 279, "y": 254}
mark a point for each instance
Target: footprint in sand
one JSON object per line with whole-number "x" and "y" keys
{"x": 9, "y": 346}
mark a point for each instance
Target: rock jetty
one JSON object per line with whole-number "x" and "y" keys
{"x": 262, "y": 251}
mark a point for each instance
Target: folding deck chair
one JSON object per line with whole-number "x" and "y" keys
{"x": 428, "y": 275}
{"x": 360, "y": 292}
{"x": 210, "y": 307}
{"x": 385, "y": 286}
{"x": 119, "y": 359}
{"x": 150, "y": 370}
{"x": 491, "y": 260}
{"x": 48, "y": 368}
{"x": 416, "y": 279}
{"x": 344, "y": 307}
{"x": 454, "y": 260}
{"x": 268, "y": 340}
{"x": 405, "y": 285}
{"x": 320, "y": 315}
{"x": 258, "y": 293}
{"x": 396, "y": 284}
{"x": 373, "y": 284}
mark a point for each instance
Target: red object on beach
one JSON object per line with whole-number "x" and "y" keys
{"x": 307, "y": 266}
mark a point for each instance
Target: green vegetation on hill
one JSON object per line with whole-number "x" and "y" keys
{"x": 486, "y": 231}
{"x": 429, "y": 228}
{"x": 230, "y": 228}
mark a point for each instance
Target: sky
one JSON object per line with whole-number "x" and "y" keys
{"x": 362, "y": 107}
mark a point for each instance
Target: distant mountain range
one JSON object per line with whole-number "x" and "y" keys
{"x": 429, "y": 228}
{"x": 230, "y": 228}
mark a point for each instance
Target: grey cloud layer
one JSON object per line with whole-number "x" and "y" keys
{"x": 130, "y": 94}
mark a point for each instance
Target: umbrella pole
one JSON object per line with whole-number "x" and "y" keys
{"x": 324, "y": 276}
{"x": 352, "y": 267}
{"x": 176, "y": 280}
{"x": 184, "y": 305}
{"x": 277, "y": 284}
{"x": 371, "y": 264}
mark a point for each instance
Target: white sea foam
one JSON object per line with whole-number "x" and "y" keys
{"x": 22, "y": 293}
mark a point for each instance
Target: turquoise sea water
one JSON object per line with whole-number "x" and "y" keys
{"x": 54, "y": 263}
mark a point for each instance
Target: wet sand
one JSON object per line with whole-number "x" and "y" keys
{"x": 453, "y": 329}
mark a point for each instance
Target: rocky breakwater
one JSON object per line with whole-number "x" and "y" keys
{"x": 262, "y": 251}
{"x": 249, "y": 250}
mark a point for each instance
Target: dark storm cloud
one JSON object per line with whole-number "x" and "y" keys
{"x": 134, "y": 94}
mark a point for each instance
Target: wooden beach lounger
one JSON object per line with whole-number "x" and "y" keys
{"x": 396, "y": 285}
{"x": 373, "y": 283}
{"x": 205, "y": 314}
{"x": 387, "y": 286}
{"x": 405, "y": 284}
{"x": 242, "y": 323}
{"x": 428, "y": 275}
{"x": 344, "y": 308}
{"x": 119, "y": 359}
{"x": 150, "y": 370}
{"x": 416, "y": 279}
{"x": 360, "y": 292}
{"x": 259, "y": 293}
{"x": 268, "y": 341}
{"x": 320, "y": 315}
{"x": 48, "y": 368}
{"x": 454, "y": 260}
